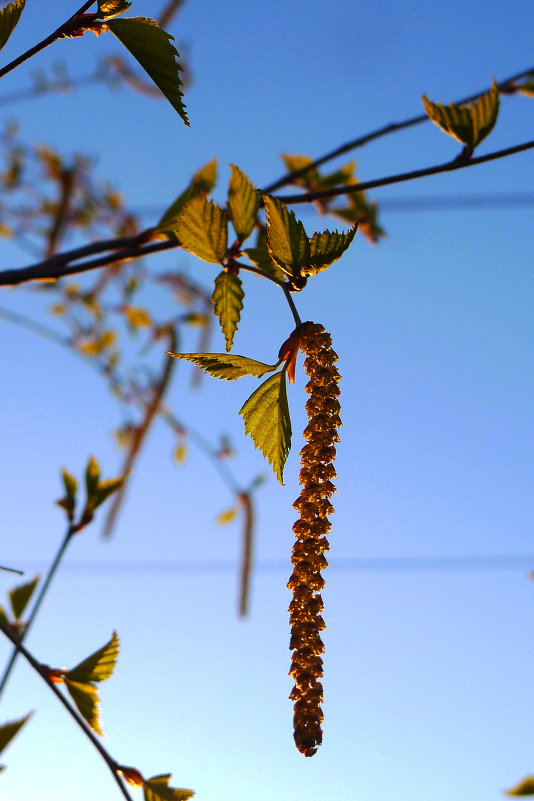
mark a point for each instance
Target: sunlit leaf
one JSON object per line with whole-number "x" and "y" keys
{"x": 227, "y": 301}
{"x": 225, "y": 517}
{"x": 112, "y": 8}
{"x": 261, "y": 257}
{"x": 526, "y": 88}
{"x": 180, "y": 453}
{"x": 152, "y": 48}
{"x": 11, "y": 729}
{"x": 9, "y": 16}
{"x": 92, "y": 476}
{"x": 227, "y": 365}
{"x": 105, "y": 489}
{"x": 157, "y": 789}
{"x": 97, "y": 667}
{"x": 524, "y": 787}
{"x": 266, "y": 418}
{"x": 85, "y": 696}
{"x": 203, "y": 181}
{"x": 203, "y": 229}
{"x": 19, "y": 597}
{"x": 243, "y": 203}
{"x": 468, "y": 124}
{"x": 137, "y": 318}
{"x": 325, "y": 248}
{"x": 70, "y": 484}
{"x": 287, "y": 240}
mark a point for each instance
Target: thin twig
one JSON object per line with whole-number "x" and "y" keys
{"x": 290, "y": 177}
{"x": 57, "y": 34}
{"x": 110, "y": 762}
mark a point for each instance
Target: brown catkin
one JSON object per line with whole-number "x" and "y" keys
{"x": 310, "y": 529}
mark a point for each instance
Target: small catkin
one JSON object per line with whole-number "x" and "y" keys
{"x": 310, "y": 530}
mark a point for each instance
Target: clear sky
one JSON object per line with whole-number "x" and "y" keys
{"x": 428, "y": 679}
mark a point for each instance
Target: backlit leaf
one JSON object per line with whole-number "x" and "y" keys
{"x": 97, "y": 667}
{"x": 157, "y": 789}
{"x": 524, "y": 787}
{"x": 227, "y": 365}
{"x": 19, "y": 597}
{"x": 85, "y": 696}
{"x": 70, "y": 484}
{"x": 325, "y": 248}
{"x": 243, "y": 203}
{"x": 92, "y": 476}
{"x": 225, "y": 517}
{"x": 203, "y": 181}
{"x": 152, "y": 48}
{"x": 468, "y": 124}
{"x": 105, "y": 489}
{"x": 526, "y": 88}
{"x": 137, "y": 318}
{"x": 9, "y": 730}
{"x": 9, "y": 16}
{"x": 203, "y": 229}
{"x": 287, "y": 240}
{"x": 266, "y": 418}
{"x": 112, "y": 8}
{"x": 227, "y": 301}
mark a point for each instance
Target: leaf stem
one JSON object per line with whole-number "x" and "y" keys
{"x": 38, "y": 602}
{"x": 57, "y": 34}
{"x": 292, "y": 306}
{"x": 112, "y": 765}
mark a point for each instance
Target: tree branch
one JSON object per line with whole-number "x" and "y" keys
{"x": 289, "y": 178}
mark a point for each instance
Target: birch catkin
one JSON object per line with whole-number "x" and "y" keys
{"x": 313, "y": 505}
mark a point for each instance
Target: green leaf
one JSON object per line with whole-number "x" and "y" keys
{"x": 227, "y": 301}
{"x": 227, "y": 365}
{"x": 266, "y": 417}
{"x": 111, "y": 8}
{"x": 152, "y": 48}
{"x": 261, "y": 257}
{"x": 4, "y": 620}
{"x": 11, "y": 729}
{"x": 9, "y": 16}
{"x": 70, "y": 484}
{"x": 468, "y": 124}
{"x": 105, "y": 489}
{"x": 524, "y": 787}
{"x": 203, "y": 181}
{"x": 203, "y": 229}
{"x": 327, "y": 247}
{"x": 243, "y": 203}
{"x": 19, "y": 596}
{"x": 92, "y": 476}
{"x": 157, "y": 789}
{"x": 526, "y": 88}
{"x": 287, "y": 240}
{"x": 97, "y": 667}
{"x": 85, "y": 696}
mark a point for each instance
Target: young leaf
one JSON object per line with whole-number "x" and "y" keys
{"x": 152, "y": 48}
{"x": 9, "y": 16}
{"x": 70, "y": 484}
{"x": 85, "y": 696}
{"x": 266, "y": 418}
{"x": 203, "y": 181}
{"x": 287, "y": 241}
{"x": 92, "y": 476}
{"x": 157, "y": 789}
{"x": 19, "y": 597}
{"x": 526, "y": 88}
{"x": 227, "y": 301}
{"x": 203, "y": 229}
{"x": 243, "y": 203}
{"x": 326, "y": 248}
{"x": 227, "y": 365}
{"x": 524, "y": 787}
{"x": 97, "y": 667}
{"x": 136, "y": 317}
{"x": 11, "y": 729}
{"x": 226, "y": 517}
{"x": 105, "y": 489}
{"x": 111, "y": 8}
{"x": 468, "y": 124}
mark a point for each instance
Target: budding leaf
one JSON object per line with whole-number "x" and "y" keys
{"x": 326, "y": 248}
{"x": 112, "y": 8}
{"x": 85, "y": 696}
{"x": 97, "y": 667}
{"x": 203, "y": 229}
{"x": 227, "y": 301}
{"x": 288, "y": 243}
{"x": 9, "y": 730}
{"x": 524, "y": 787}
{"x": 136, "y": 317}
{"x": 70, "y": 484}
{"x": 243, "y": 203}
{"x": 468, "y": 124}
{"x": 526, "y": 88}
{"x": 9, "y": 16}
{"x": 157, "y": 789}
{"x": 225, "y": 517}
{"x": 105, "y": 489}
{"x": 203, "y": 181}
{"x": 266, "y": 418}
{"x": 227, "y": 365}
{"x": 19, "y": 597}
{"x": 92, "y": 476}
{"x": 152, "y": 48}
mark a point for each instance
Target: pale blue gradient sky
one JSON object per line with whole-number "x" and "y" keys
{"x": 428, "y": 685}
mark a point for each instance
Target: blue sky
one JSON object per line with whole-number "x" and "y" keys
{"x": 428, "y": 686}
